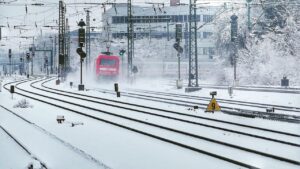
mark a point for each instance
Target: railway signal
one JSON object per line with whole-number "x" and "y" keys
{"x": 117, "y": 90}
{"x": 116, "y": 85}
{"x": 81, "y": 37}
{"x": 12, "y": 90}
{"x": 234, "y": 27}
{"x": 28, "y": 59}
{"x": 32, "y": 50}
{"x": 9, "y": 53}
{"x": 27, "y": 55}
{"x": 134, "y": 69}
{"x": 81, "y": 33}
{"x": 179, "y": 49}
{"x": 122, "y": 52}
{"x": 178, "y": 34}
{"x": 285, "y": 82}
{"x": 81, "y": 53}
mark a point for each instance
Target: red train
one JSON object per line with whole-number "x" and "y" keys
{"x": 107, "y": 66}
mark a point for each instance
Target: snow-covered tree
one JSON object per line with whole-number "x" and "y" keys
{"x": 269, "y": 51}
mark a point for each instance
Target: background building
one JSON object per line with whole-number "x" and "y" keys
{"x": 158, "y": 21}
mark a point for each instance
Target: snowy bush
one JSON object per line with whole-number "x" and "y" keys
{"x": 267, "y": 53}
{"x": 23, "y": 104}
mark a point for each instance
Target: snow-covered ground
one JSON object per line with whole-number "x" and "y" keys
{"x": 92, "y": 143}
{"x": 12, "y": 155}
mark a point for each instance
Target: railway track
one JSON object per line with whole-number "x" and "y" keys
{"x": 161, "y": 127}
{"x": 169, "y": 112}
{"x": 242, "y": 111}
{"x": 42, "y": 164}
{"x": 290, "y": 90}
{"x": 69, "y": 146}
{"x": 259, "y": 89}
{"x": 243, "y": 103}
{"x": 174, "y": 99}
{"x": 244, "y": 165}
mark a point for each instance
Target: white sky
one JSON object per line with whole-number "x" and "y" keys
{"x": 36, "y": 18}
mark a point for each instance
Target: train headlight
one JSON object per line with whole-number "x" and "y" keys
{"x": 107, "y": 69}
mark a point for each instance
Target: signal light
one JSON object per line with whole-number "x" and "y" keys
{"x": 122, "y": 51}
{"x": 9, "y": 53}
{"x": 81, "y": 53}
{"x": 61, "y": 59}
{"x": 27, "y": 56}
{"x": 178, "y": 47}
{"x": 81, "y": 37}
{"x": 178, "y": 33}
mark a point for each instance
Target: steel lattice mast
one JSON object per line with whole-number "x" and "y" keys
{"x": 88, "y": 39}
{"x": 130, "y": 36}
{"x": 55, "y": 58}
{"x": 67, "y": 47}
{"x": 193, "y": 55}
{"x": 61, "y": 37}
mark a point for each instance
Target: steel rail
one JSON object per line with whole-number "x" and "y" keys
{"x": 159, "y": 115}
{"x": 174, "y": 112}
{"x": 165, "y": 128}
{"x": 130, "y": 128}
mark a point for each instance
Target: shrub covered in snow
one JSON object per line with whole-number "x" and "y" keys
{"x": 23, "y": 104}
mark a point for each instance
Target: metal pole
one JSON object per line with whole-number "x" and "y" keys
{"x": 81, "y": 71}
{"x": 130, "y": 37}
{"x": 54, "y": 53}
{"x": 186, "y": 41}
{"x": 168, "y": 33}
{"x": 45, "y": 58}
{"x": 249, "y": 18}
{"x": 28, "y": 67}
{"x": 67, "y": 46}
{"x": 51, "y": 60}
{"x": 33, "y": 53}
{"x": 193, "y": 55}
{"x": 178, "y": 56}
{"x": 234, "y": 68}
{"x": 196, "y": 44}
{"x": 149, "y": 30}
{"x": 235, "y": 58}
{"x": 88, "y": 39}
{"x": 61, "y": 38}
{"x": 234, "y": 40}
{"x": 47, "y": 69}
{"x": 9, "y": 59}
{"x": 10, "y": 69}
{"x": 190, "y": 42}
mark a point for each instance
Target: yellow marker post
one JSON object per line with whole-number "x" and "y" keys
{"x": 213, "y": 106}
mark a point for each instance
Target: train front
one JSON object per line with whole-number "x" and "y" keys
{"x": 107, "y": 66}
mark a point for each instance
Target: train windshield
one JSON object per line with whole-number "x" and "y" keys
{"x": 107, "y": 62}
